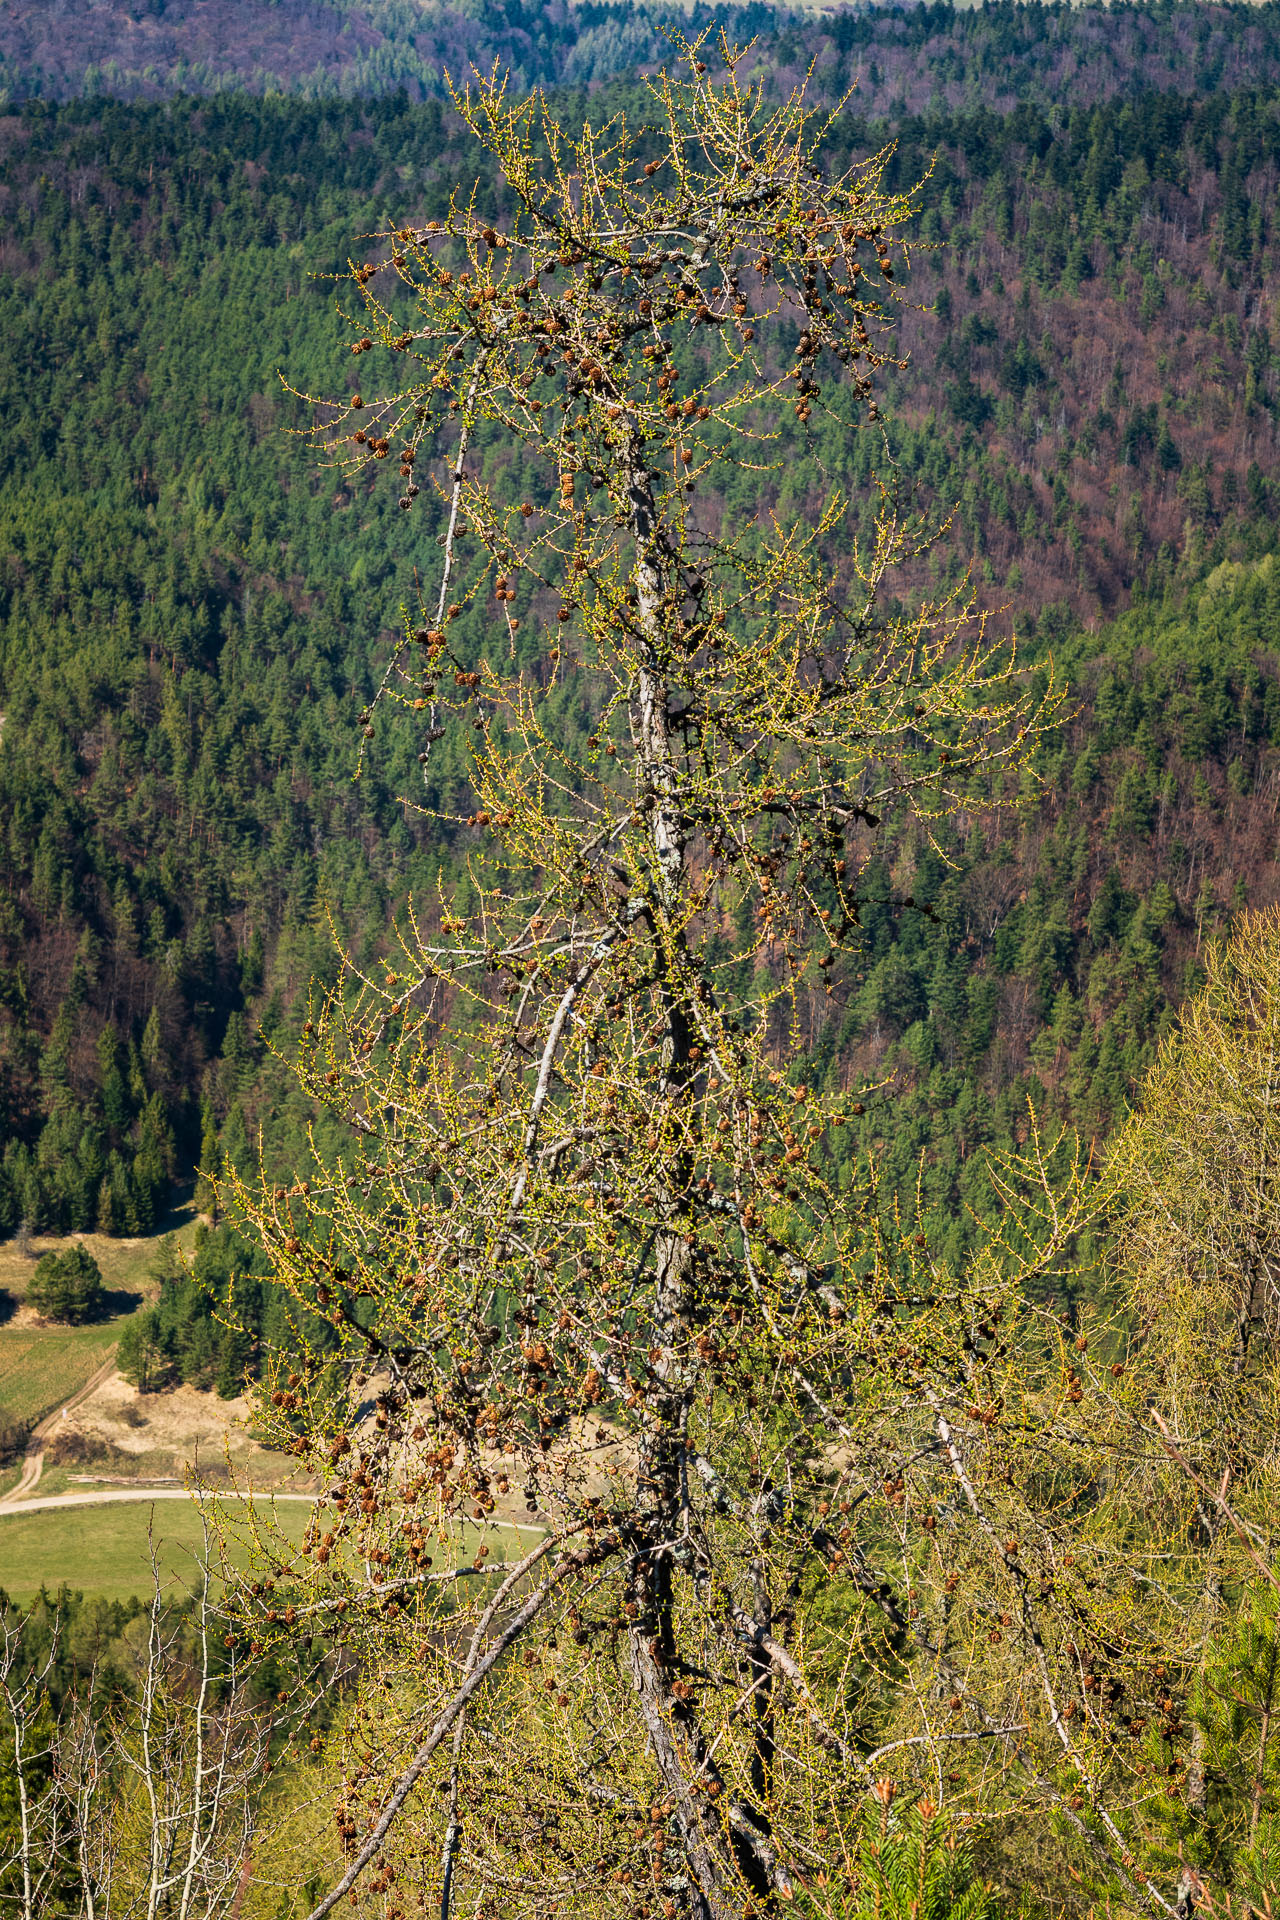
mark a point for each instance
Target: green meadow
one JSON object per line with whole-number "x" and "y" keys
{"x": 106, "y": 1549}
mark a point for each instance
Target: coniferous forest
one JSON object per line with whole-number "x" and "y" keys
{"x": 217, "y": 823}
{"x": 194, "y": 617}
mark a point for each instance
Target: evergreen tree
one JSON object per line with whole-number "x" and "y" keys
{"x": 67, "y": 1287}
{"x": 209, "y": 1164}
{"x": 141, "y": 1355}
{"x": 105, "y": 1220}
{"x": 234, "y": 1363}
{"x": 913, "y": 1865}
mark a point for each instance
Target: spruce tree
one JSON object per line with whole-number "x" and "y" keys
{"x": 67, "y": 1287}
{"x": 209, "y": 1165}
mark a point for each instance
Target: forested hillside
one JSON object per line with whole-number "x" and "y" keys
{"x": 780, "y": 1432}
{"x": 902, "y": 59}
{"x": 357, "y": 48}
{"x": 192, "y": 617}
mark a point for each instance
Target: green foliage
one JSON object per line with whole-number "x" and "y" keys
{"x": 1238, "y": 1708}
{"x": 67, "y": 1287}
{"x": 185, "y": 652}
{"x": 209, "y": 1164}
{"x": 215, "y": 1322}
{"x": 141, "y": 1355}
{"x": 82, "y": 1632}
{"x": 914, "y": 1865}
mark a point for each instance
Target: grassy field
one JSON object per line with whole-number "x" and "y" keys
{"x": 103, "y": 1550}
{"x": 41, "y": 1366}
{"x": 124, "y": 1263}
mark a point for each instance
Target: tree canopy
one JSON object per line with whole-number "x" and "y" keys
{"x": 67, "y": 1287}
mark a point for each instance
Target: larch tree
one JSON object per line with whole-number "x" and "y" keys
{"x": 1196, "y": 1233}
{"x": 597, "y": 1241}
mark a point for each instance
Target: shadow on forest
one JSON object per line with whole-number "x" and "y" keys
{"x": 117, "y": 1301}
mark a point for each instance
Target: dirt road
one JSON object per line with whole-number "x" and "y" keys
{"x": 33, "y": 1462}
{"x": 179, "y": 1493}
{"x": 9, "y": 1504}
